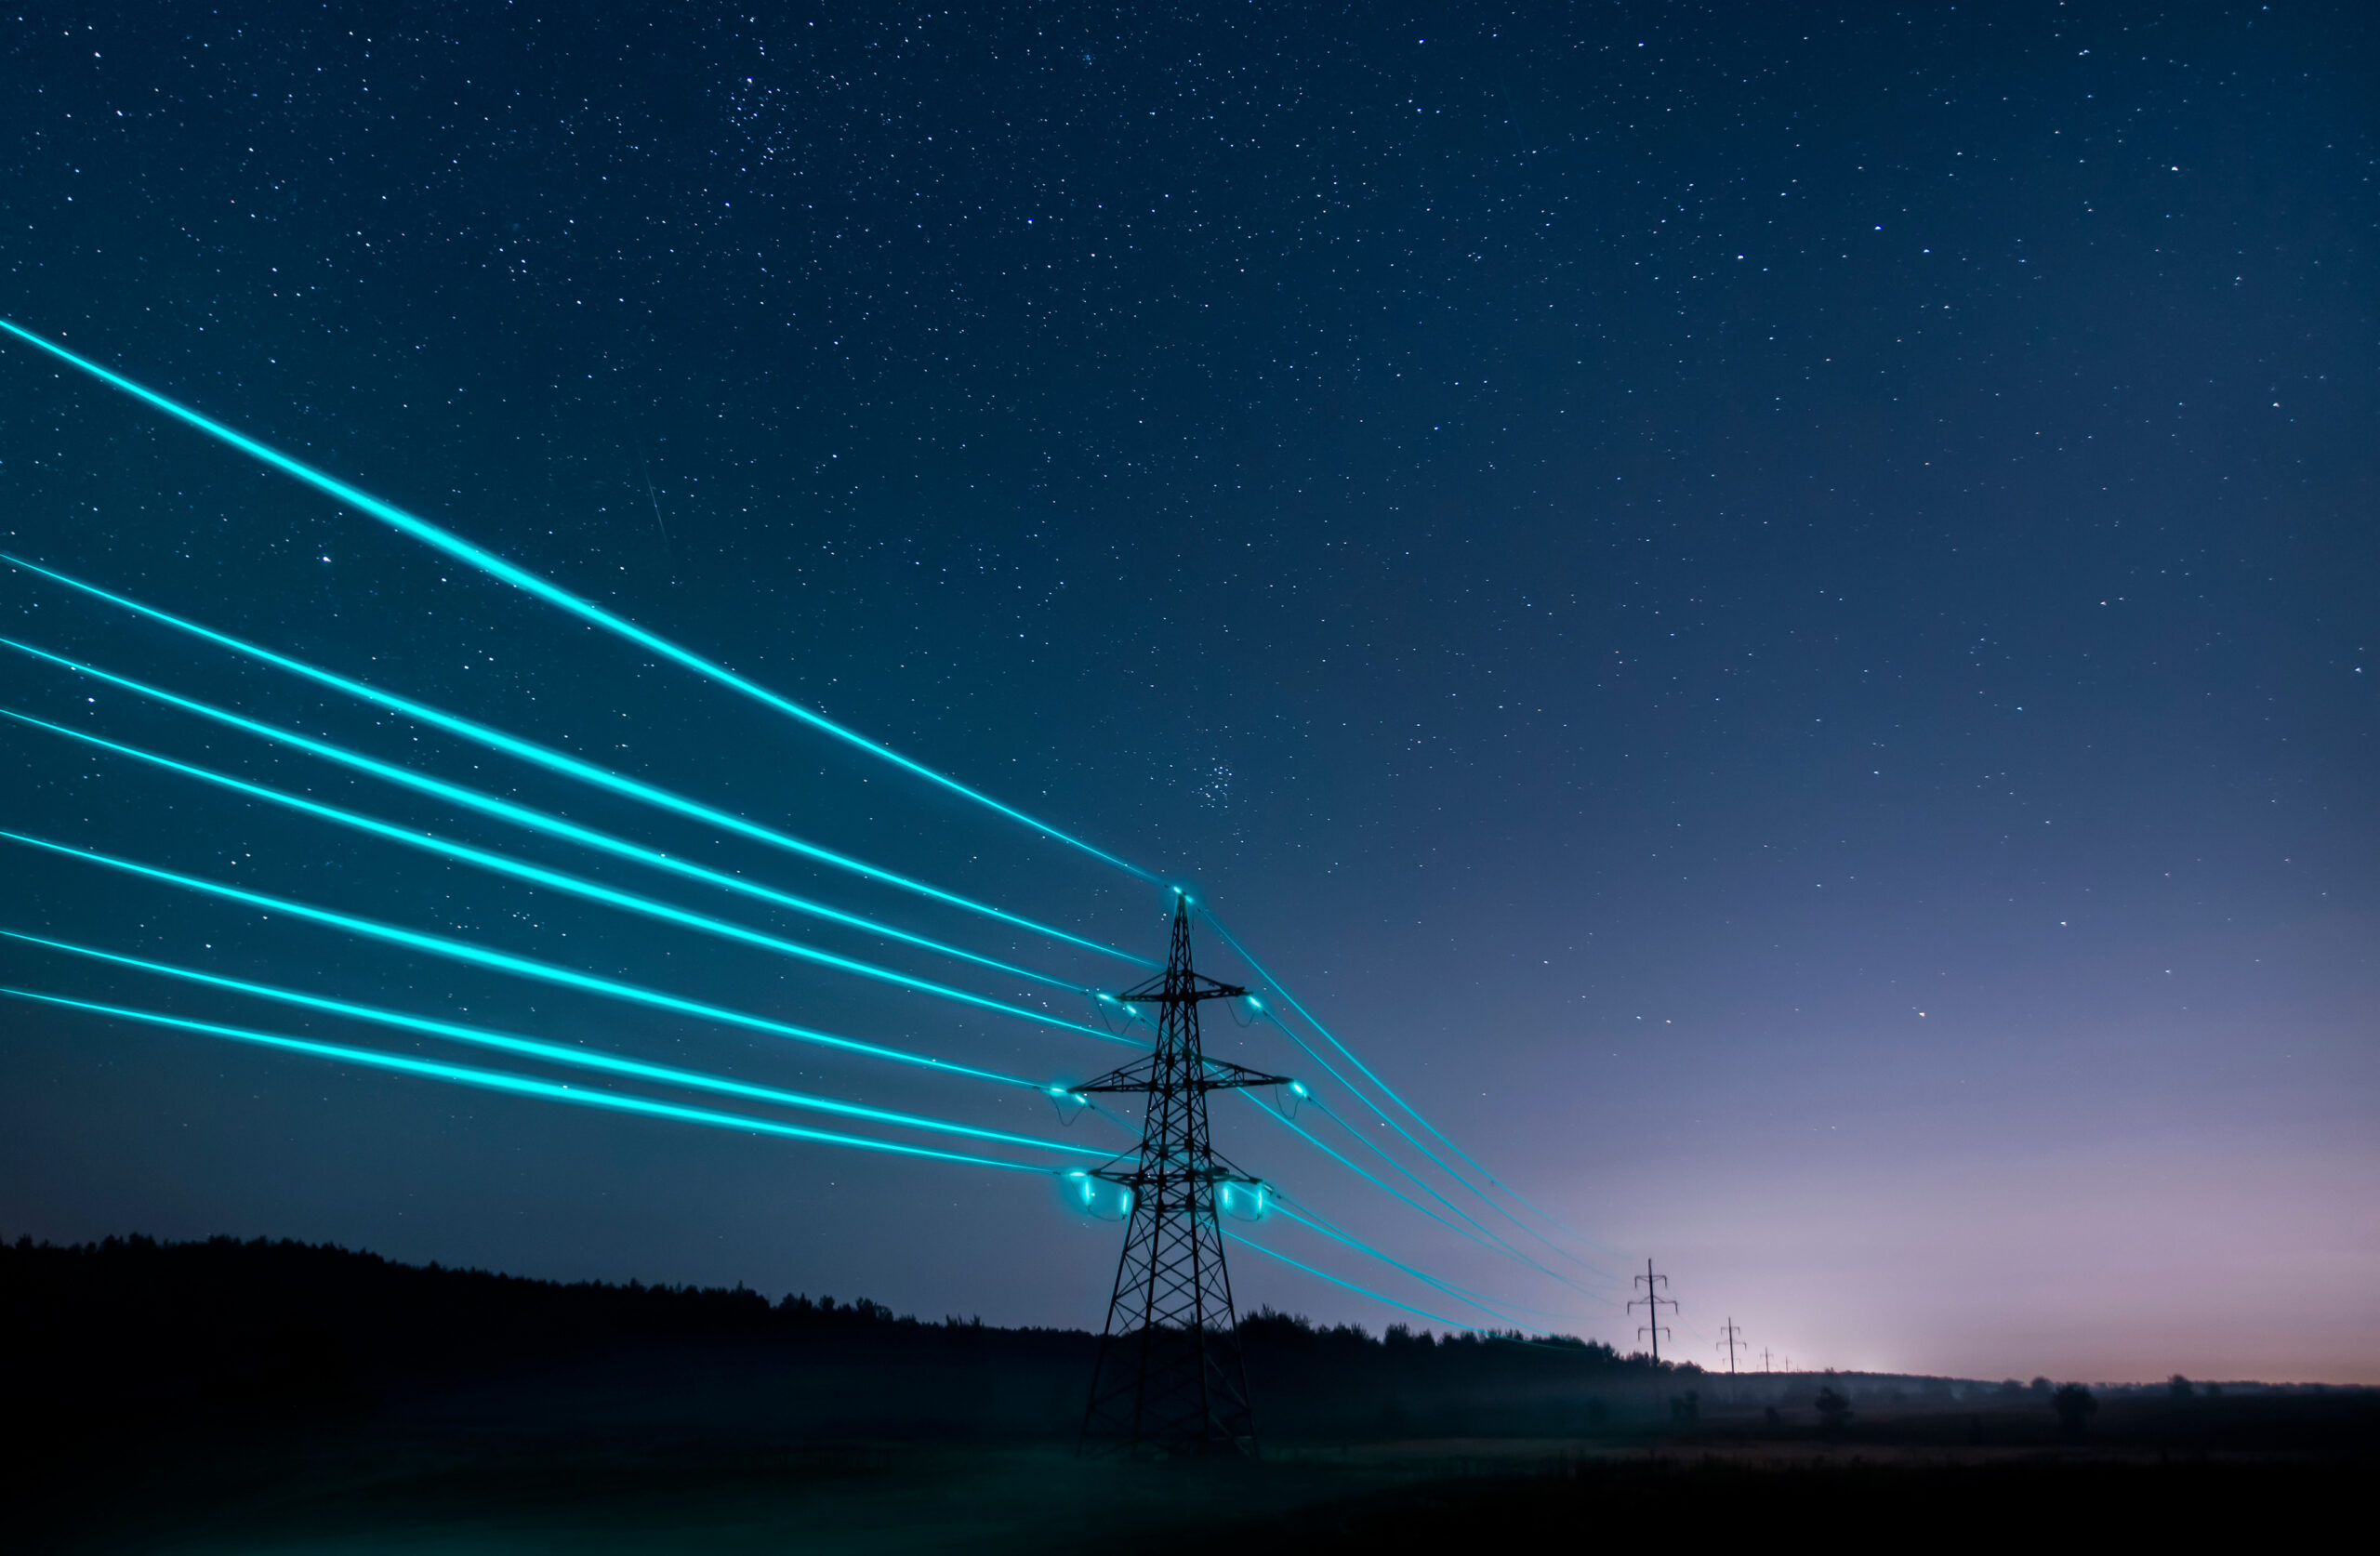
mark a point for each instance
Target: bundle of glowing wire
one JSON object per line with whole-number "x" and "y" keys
{"x": 1474, "y": 1180}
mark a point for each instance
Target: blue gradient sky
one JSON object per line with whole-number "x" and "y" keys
{"x": 1772, "y": 614}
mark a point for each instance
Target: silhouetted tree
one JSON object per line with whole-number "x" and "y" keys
{"x": 2073, "y": 1405}
{"x": 1833, "y": 1412}
{"x": 2180, "y": 1387}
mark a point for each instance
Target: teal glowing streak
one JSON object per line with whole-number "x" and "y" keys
{"x": 1377, "y": 1181}
{"x": 1499, "y": 1240}
{"x": 1316, "y": 1224}
{"x": 1494, "y": 1307}
{"x": 1472, "y": 1230}
{"x": 1496, "y": 1242}
{"x": 498, "y": 1080}
{"x": 557, "y": 1053}
{"x": 523, "y": 815}
{"x": 1444, "y": 1165}
{"x": 479, "y": 955}
{"x": 1232, "y": 940}
{"x": 1276, "y": 984}
{"x": 520, "y": 579}
{"x": 578, "y": 886}
{"x": 1512, "y": 1337}
{"x": 1496, "y": 1239}
{"x": 1351, "y": 1286}
{"x": 565, "y": 764}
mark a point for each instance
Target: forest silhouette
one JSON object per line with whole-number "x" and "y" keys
{"x": 232, "y": 1331}
{"x": 271, "y": 1392}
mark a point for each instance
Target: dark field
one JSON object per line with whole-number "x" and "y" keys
{"x": 251, "y": 1398}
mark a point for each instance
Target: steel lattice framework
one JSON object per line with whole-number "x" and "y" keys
{"x": 1169, "y": 1378}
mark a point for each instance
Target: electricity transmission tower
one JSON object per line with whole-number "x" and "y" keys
{"x": 1169, "y": 1379}
{"x": 1732, "y": 1338}
{"x": 1651, "y": 1302}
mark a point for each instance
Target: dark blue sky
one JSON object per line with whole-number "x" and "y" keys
{"x": 1770, "y": 611}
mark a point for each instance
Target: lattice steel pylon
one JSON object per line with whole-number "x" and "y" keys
{"x": 1169, "y": 1378}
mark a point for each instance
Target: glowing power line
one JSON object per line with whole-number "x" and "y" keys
{"x": 1232, "y": 940}
{"x": 523, "y": 815}
{"x": 1480, "y": 1301}
{"x": 511, "y": 573}
{"x": 522, "y": 578}
{"x": 1351, "y": 1286}
{"x": 1481, "y": 1236}
{"x": 560, "y": 761}
{"x": 501, "y": 1081}
{"x": 585, "y": 1058}
{"x": 577, "y": 885}
{"x": 481, "y": 956}
{"x": 498, "y": 1080}
{"x": 573, "y": 767}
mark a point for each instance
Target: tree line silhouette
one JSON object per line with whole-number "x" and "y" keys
{"x": 133, "y": 1328}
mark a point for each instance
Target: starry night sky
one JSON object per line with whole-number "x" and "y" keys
{"x": 1768, "y": 608}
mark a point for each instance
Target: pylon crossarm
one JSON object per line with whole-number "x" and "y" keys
{"x": 1224, "y": 1075}
{"x": 1170, "y": 987}
{"x": 1214, "y": 1177}
{"x": 1139, "y": 1076}
{"x": 1221, "y": 1075}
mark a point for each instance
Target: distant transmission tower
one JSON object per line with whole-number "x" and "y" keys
{"x": 1733, "y": 1338}
{"x": 1169, "y": 1378}
{"x": 1651, "y": 1302}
